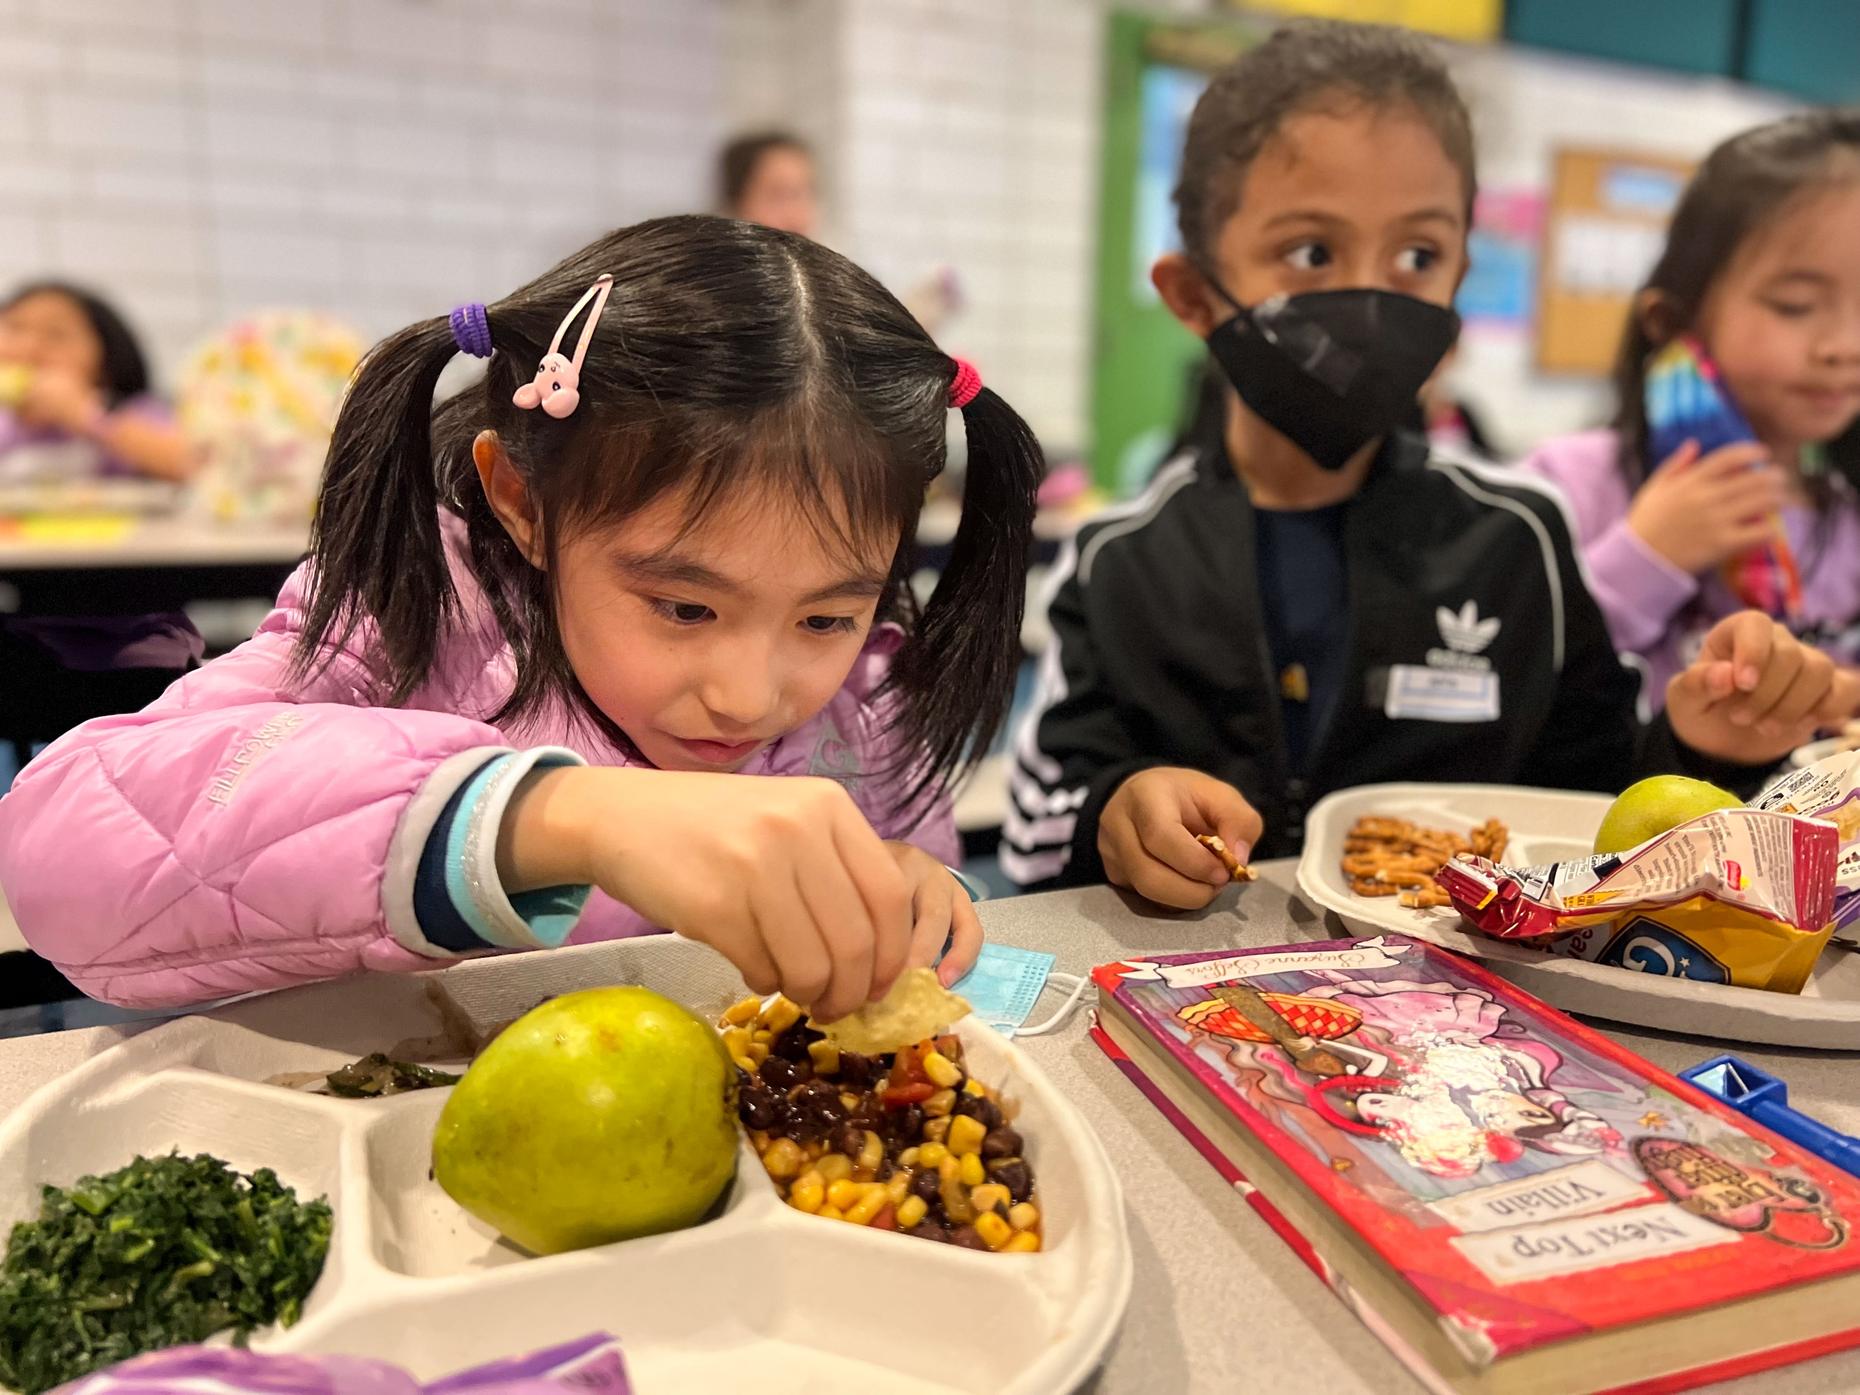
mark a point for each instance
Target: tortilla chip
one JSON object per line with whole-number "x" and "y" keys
{"x": 917, "y": 1006}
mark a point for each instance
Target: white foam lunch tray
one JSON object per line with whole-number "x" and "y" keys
{"x": 1547, "y": 826}
{"x": 759, "y": 1298}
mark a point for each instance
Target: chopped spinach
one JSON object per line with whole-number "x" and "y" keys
{"x": 378, "y": 1074}
{"x": 165, "y": 1251}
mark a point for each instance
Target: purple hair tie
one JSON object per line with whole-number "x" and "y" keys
{"x": 471, "y": 330}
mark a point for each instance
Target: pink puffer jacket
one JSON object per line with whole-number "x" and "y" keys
{"x": 240, "y": 834}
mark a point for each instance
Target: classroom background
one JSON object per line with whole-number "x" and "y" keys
{"x": 263, "y": 187}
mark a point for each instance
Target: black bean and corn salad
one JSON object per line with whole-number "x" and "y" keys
{"x": 905, "y": 1141}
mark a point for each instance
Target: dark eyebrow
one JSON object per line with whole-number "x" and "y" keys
{"x": 1815, "y": 278}
{"x": 668, "y": 569}
{"x": 1314, "y": 215}
{"x": 859, "y": 588}
{"x": 671, "y": 570}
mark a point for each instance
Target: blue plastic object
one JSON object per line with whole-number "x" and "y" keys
{"x": 1758, "y": 1095}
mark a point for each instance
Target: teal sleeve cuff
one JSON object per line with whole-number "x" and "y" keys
{"x": 539, "y": 919}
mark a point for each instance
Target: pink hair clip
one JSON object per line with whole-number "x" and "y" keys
{"x": 556, "y": 388}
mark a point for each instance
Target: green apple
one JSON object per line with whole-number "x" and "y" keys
{"x": 1648, "y": 809}
{"x": 599, "y": 1116}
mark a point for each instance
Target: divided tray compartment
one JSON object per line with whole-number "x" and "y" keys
{"x": 757, "y": 1296}
{"x": 1547, "y": 826}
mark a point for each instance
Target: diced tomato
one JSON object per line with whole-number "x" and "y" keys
{"x": 908, "y": 1084}
{"x": 886, "y": 1219}
{"x": 897, "y": 1096}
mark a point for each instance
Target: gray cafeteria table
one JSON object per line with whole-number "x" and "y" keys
{"x": 1219, "y": 1304}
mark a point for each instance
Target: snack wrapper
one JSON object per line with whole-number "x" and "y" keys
{"x": 1746, "y": 896}
{"x": 591, "y": 1366}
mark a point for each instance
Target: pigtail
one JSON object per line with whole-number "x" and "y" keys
{"x": 376, "y": 547}
{"x": 960, "y": 664}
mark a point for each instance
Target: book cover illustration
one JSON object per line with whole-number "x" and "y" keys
{"x": 1531, "y": 1179}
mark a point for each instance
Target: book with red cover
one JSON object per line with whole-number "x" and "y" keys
{"x": 1512, "y": 1201}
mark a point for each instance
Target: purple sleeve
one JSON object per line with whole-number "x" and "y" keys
{"x": 1638, "y": 590}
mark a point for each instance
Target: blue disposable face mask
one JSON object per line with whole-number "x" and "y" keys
{"x": 1007, "y": 981}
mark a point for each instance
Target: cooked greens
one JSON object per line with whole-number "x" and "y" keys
{"x": 164, "y": 1251}
{"x": 378, "y": 1074}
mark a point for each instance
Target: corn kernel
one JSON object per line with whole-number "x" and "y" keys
{"x": 969, "y": 1169}
{"x": 897, "y": 1187}
{"x": 872, "y": 1152}
{"x": 935, "y": 1130}
{"x": 956, "y": 1203}
{"x": 940, "y": 1104}
{"x": 930, "y": 1154}
{"x": 783, "y": 1159}
{"x": 868, "y": 1206}
{"x": 990, "y": 1195}
{"x": 808, "y": 1192}
{"x": 761, "y": 1034}
{"x": 831, "y": 1212}
{"x": 941, "y": 1070}
{"x": 760, "y": 1138}
{"x": 814, "y": 1150}
{"x": 835, "y": 1167}
{"x": 1024, "y": 1216}
{"x": 909, "y": 1157}
{"x": 742, "y": 1011}
{"x": 911, "y": 1211}
{"x": 1022, "y": 1242}
{"x": 947, "y": 1169}
{"x": 781, "y": 1015}
{"x": 966, "y": 1134}
{"x": 993, "y": 1229}
{"x": 974, "y": 1087}
{"x": 825, "y": 1056}
{"x": 736, "y": 1040}
{"x": 844, "y": 1193}
{"x": 849, "y": 1101}
{"x": 758, "y": 1051}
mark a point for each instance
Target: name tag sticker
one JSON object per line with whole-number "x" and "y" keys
{"x": 1441, "y": 694}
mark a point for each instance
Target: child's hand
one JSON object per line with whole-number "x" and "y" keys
{"x": 942, "y": 911}
{"x": 1756, "y": 692}
{"x": 58, "y": 399}
{"x": 1147, "y": 832}
{"x": 1699, "y": 513}
{"x": 783, "y": 877}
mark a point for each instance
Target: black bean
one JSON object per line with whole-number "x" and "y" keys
{"x": 782, "y": 1074}
{"x": 848, "y": 1138}
{"x": 758, "y": 1106}
{"x": 981, "y": 1109}
{"x": 904, "y": 1125}
{"x": 814, "y": 1110}
{"x": 1003, "y": 1142}
{"x": 965, "y": 1236}
{"x": 926, "y": 1185}
{"x": 856, "y": 1071}
{"x": 1015, "y": 1175}
{"x": 930, "y": 1230}
{"x": 792, "y": 1043}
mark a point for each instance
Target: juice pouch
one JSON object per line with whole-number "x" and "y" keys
{"x": 1738, "y": 896}
{"x": 1686, "y": 401}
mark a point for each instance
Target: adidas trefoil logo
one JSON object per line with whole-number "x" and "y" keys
{"x": 1466, "y": 633}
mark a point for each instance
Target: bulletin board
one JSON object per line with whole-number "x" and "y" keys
{"x": 1604, "y": 229}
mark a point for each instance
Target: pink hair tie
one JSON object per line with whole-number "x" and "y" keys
{"x": 964, "y": 385}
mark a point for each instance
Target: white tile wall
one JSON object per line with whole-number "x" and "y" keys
{"x": 379, "y": 159}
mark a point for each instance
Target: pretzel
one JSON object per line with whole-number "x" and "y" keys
{"x": 1384, "y": 856}
{"x": 1236, "y": 869}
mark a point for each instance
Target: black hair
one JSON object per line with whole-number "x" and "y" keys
{"x": 736, "y": 163}
{"x": 1743, "y": 186}
{"x": 728, "y": 356}
{"x": 1301, "y": 67}
{"x": 124, "y": 372}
